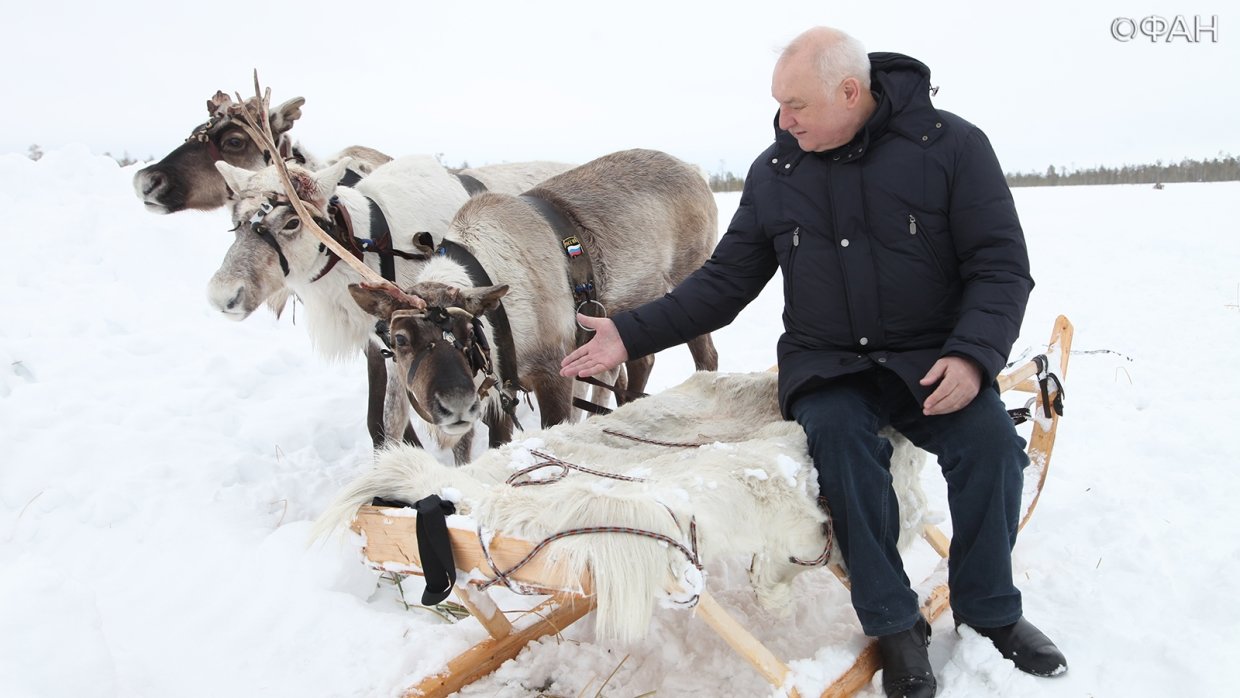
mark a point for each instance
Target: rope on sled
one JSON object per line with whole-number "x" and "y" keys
{"x": 690, "y": 552}
{"x": 565, "y": 466}
{"x": 655, "y": 442}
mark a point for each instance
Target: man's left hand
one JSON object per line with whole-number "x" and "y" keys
{"x": 959, "y": 380}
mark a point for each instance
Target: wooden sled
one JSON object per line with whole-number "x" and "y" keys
{"x": 391, "y": 545}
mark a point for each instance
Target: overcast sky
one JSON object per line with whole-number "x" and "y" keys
{"x": 484, "y": 81}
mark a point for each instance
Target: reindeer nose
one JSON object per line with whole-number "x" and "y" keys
{"x": 228, "y": 299}
{"x": 152, "y": 181}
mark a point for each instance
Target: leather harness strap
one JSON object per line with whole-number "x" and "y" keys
{"x": 580, "y": 271}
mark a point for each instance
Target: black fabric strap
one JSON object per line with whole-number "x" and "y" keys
{"x": 435, "y": 548}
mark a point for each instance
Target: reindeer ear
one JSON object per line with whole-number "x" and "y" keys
{"x": 235, "y": 177}
{"x": 283, "y": 116}
{"x": 381, "y": 300}
{"x": 372, "y": 300}
{"x": 484, "y": 298}
{"x": 325, "y": 180}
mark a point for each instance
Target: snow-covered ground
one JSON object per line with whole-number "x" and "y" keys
{"x": 160, "y": 467}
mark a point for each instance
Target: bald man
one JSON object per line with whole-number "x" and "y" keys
{"x": 905, "y": 282}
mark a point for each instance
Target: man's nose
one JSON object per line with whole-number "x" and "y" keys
{"x": 785, "y": 122}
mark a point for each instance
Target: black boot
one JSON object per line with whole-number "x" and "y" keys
{"x": 906, "y": 663}
{"x": 1031, "y": 651}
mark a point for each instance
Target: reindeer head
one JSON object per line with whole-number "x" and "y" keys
{"x": 186, "y": 177}
{"x": 271, "y": 250}
{"x": 440, "y": 347}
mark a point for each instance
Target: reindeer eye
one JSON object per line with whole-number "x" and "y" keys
{"x": 232, "y": 143}
{"x": 292, "y": 225}
{"x": 401, "y": 340}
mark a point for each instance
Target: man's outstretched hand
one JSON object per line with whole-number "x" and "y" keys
{"x": 602, "y": 353}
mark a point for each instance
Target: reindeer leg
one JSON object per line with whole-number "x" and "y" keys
{"x": 376, "y": 384}
{"x": 463, "y": 448}
{"x": 500, "y": 428}
{"x": 639, "y": 373}
{"x": 705, "y": 358}
{"x": 555, "y": 398}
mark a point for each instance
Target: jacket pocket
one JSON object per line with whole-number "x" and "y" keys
{"x": 915, "y": 229}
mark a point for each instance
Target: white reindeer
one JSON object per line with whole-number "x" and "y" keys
{"x": 413, "y": 194}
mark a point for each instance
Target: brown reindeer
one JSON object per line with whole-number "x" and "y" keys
{"x": 644, "y": 219}
{"x": 441, "y": 337}
{"x": 187, "y": 178}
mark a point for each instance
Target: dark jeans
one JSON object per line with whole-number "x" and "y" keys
{"x": 982, "y": 458}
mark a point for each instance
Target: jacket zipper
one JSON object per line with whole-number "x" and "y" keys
{"x": 792, "y": 256}
{"x": 913, "y": 229}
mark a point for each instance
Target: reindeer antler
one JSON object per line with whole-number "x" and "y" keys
{"x": 253, "y": 117}
{"x": 219, "y": 104}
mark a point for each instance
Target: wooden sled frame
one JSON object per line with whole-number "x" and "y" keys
{"x": 391, "y": 545}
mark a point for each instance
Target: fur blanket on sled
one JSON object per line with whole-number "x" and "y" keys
{"x": 748, "y": 483}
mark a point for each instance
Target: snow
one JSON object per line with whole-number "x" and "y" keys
{"x": 160, "y": 468}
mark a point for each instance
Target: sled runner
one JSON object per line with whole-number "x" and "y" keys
{"x": 483, "y": 558}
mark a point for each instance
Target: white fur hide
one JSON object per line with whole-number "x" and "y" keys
{"x": 750, "y": 488}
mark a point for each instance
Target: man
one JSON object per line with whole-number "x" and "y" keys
{"x": 905, "y": 283}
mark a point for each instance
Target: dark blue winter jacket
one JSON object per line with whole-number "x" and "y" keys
{"x": 897, "y": 249}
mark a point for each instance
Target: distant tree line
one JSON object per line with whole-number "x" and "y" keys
{"x": 1225, "y": 168}
{"x": 34, "y": 152}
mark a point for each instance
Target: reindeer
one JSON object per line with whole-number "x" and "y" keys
{"x": 271, "y": 253}
{"x": 186, "y": 178}
{"x": 645, "y": 219}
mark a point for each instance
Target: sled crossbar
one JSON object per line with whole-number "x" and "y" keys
{"x": 391, "y": 545}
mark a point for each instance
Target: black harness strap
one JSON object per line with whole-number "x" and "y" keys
{"x": 350, "y": 179}
{"x": 379, "y": 242}
{"x": 471, "y": 184}
{"x": 505, "y": 347}
{"x": 580, "y": 271}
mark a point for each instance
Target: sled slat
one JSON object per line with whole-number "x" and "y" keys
{"x": 485, "y": 657}
{"x": 1017, "y": 378}
{"x": 1042, "y": 441}
{"x": 742, "y": 642}
{"x": 484, "y": 609}
{"x": 391, "y": 543}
